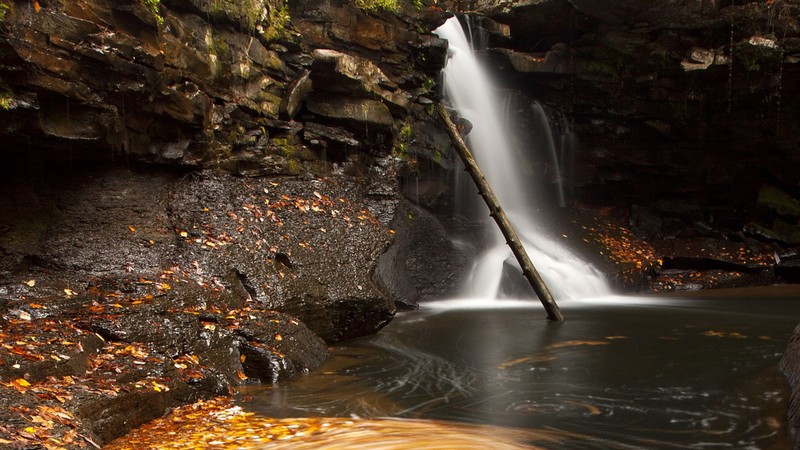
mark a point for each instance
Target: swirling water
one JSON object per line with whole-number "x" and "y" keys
{"x": 619, "y": 373}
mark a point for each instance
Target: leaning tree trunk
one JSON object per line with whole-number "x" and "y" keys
{"x": 533, "y": 277}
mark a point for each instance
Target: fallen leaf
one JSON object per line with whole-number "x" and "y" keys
{"x": 712, "y": 333}
{"x": 526, "y": 359}
{"x": 575, "y": 343}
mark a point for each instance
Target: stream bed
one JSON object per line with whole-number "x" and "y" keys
{"x": 620, "y": 372}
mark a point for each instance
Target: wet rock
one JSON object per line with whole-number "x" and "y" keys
{"x": 337, "y": 72}
{"x": 245, "y": 15}
{"x": 424, "y": 264}
{"x": 790, "y": 366}
{"x": 709, "y": 253}
{"x": 296, "y": 94}
{"x": 789, "y": 271}
{"x": 259, "y": 336}
{"x": 351, "y": 109}
{"x": 532, "y": 63}
{"x": 186, "y": 84}
{"x": 302, "y": 273}
{"x": 317, "y": 134}
{"x": 163, "y": 287}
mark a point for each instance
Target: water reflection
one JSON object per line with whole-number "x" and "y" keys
{"x": 652, "y": 373}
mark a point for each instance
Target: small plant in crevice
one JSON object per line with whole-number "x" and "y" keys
{"x": 428, "y": 85}
{"x": 374, "y": 5}
{"x": 154, "y": 7}
{"x": 402, "y": 141}
{"x": 7, "y": 101}
{"x": 279, "y": 22}
{"x": 4, "y": 10}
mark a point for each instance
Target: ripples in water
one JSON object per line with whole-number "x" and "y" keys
{"x": 665, "y": 374}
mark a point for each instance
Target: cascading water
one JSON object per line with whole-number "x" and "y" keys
{"x": 550, "y": 148}
{"x": 470, "y": 92}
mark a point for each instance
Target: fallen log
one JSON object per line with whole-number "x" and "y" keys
{"x": 496, "y": 211}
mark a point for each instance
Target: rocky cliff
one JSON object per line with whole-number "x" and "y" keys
{"x": 677, "y": 119}
{"x": 197, "y": 195}
{"x": 325, "y": 91}
{"x": 212, "y": 83}
{"x": 251, "y": 180}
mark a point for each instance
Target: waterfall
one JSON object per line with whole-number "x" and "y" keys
{"x": 470, "y": 91}
{"x": 550, "y": 150}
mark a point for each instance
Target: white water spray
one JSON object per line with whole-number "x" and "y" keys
{"x": 470, "y": 92}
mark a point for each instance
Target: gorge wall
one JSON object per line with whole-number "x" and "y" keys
{"x": 684, "y": 112}
{"x": 268, "y": 176}
{"x": 197, "y": 195}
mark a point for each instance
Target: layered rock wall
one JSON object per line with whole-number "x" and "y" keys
{"x": 279, "y": 139}
{"x": 197, "y": 195}
{"x": 675, "y": 101}
{"x": 210, "y": 83}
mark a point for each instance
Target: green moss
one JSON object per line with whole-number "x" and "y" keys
{"x": 290, "y": 150}
{"x": 374, "y": 5}
{"x": 252, "y": 12}
{"x": 285, "y": 147}
{"x": 778, "y": 200}
{"x": 279, "y": 22}
{"x": 153, "y": 6}
{"x": 402, "y": 141}
{"x": 428, "y": 84}
{"x": 6, "y": 97}
{"x": 248, "y": 14}
{"x": 218, "y": 46}
{"x": 294, "y": 166}
{"x": 5, "y": 9}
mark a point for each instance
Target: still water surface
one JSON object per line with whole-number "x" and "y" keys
{"x": 618, "y": 373}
